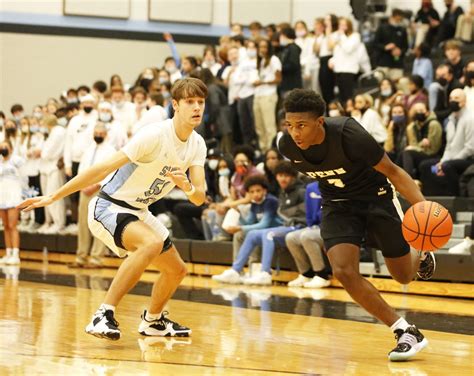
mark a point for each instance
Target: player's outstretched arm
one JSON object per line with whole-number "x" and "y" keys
{"x": 400, "y": 179}
{"x": 92, "y": 175}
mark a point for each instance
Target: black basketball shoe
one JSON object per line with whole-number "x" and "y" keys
{"x": 104, "y": 325}
{"x": 409, "y": 343}
{"x": 427, "y": 265}
{"x": 162, "y": 327}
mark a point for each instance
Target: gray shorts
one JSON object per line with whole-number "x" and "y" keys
{"x": 108, "y": 220}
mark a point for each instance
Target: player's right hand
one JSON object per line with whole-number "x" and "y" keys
{"x": 35, "y": 202}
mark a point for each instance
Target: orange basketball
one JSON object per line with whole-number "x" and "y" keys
{"x": 427, "y": 226}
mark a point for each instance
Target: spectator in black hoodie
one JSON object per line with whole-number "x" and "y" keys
{"x": 290, "y": 61}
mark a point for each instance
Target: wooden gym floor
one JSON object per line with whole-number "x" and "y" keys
{"x": 236, "y": 330}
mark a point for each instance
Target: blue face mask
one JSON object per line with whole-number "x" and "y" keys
{"x": 398, "y": 118}
{"x": 34, "y": 129}
{"x": 224, "y": 172}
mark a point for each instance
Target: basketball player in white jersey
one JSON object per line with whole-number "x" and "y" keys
{"x": 154, "y": 161}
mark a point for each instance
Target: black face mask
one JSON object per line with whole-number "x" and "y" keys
{"x": 98, "y": 139}
{"x": 469, "y": 75}
{"x": 454, "y": 106}
{"x": 10, "y": 132}
{"x": 442, "y": 81}
{"x": 145, "y": 82}
{"x": 419, "y": 116}
{"x": 88, "y": 110}
{"x": 4, "y": 152}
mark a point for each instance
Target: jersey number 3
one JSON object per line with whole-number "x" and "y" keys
{"x": 336, "y": 182}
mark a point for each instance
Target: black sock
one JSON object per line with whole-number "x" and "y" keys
{"x": 309, "y": 273}
{"x": 323, "y": 274}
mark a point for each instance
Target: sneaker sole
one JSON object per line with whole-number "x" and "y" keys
{"x": 176, "y": 334}
{"x": 109, "y": 336}
{"x": 400, "y": 357}
{"x": 434, "y": 269}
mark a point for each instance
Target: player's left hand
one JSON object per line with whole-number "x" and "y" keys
{"x": 179, "y": 178}
{"x": 35, "y": 202}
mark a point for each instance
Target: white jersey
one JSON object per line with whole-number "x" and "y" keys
{"x": 153, "y": 151}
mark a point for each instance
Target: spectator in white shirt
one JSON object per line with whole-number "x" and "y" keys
{"x": 155, "y": 114}
{"x": 51, "y": 176}
{"x": 369, "y": 118}
{"x": 139, "y": 97}
{"x": 124, "y": 111}
{"x": 308, "y": 61}
{"x": 86, "y": 243}
{"x": 209, "y": 60}
{"x": 116, "y": 132}
{"x": 346, "y": 58}
{"x": 266, "y": 97}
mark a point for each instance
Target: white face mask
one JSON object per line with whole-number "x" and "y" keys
{"x": 334, "y": 113}
{"x": 224, "y": 172}
{"x": 62, "y": 122}
{"x": 252, "y": 54}
{"x": 38, "y": 115}
{"x": 34, "y": 129}
{"x": 283, "y": 42}
{"x": 1, "y": 122}
{"x": 119, "y": 104}
{"x": 105, "y": 116}
{"x": 300, "y": 33}
{"x": 212, "y": 163}
{"x": 386, "y": 92}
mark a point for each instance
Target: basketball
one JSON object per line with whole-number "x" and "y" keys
{"x": 427, "y": 226}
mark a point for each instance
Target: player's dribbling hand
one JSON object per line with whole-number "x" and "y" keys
{"x": 35, "y": 202}
{"x": 179, "y": 178}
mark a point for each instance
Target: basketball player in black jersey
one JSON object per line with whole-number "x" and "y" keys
{"x": 358, "y": 202}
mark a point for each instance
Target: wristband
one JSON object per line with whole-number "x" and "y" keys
{"x": 191, "y": 191}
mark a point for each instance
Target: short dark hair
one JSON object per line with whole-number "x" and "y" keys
{"x": 256, "y": 180}
{"x": 16, "y": 107}
{"x": 255, "y": 25}
{"x": 417, "y": 80}
{"x": 238, "y": 38}
{"x": 285, "y": 167}
{"x": 398, "y": 13}
{"x": 85, "y": 88}
{"x": 192, "y": 60}
{"x": 100, "y": 86}
{"x": 156, "y": 97}
{"x": 187, "y": 88}
{"x": 288, "y": 32}
{"x": 448, "y": 66}
{"x": 425, "y": 49}
{"x": 304, "y": 100}
{"x": 245, "y": 149}
{"x": 71, "y": 90}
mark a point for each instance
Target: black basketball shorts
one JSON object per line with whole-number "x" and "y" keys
{"x": 352, "y": 221}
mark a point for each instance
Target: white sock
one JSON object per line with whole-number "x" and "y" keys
{"x": 9, "y": 252}
{"x": 107, "y": 307}
{"x": 401, "y": 323}
{"x": 152, "y": 316}
{"x": 15, "y": 252}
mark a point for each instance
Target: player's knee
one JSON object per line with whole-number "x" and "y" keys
{"x": 403, "y": 278}
{"x": 345, "y": 274}
{"x": 177, "y": 271}
{"x": 151, "y": 248}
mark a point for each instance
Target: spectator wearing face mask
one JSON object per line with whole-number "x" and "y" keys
{"x": 441, "y": 176}
{"x": 266, "y": 95}
{"x": 71, "y": 96}
{"x": 387, "y": 97}
{"x": 289, "y": 56}
{"x": 17, "y": 112}
{"x": 440, "y": 90}
{"x": 469, "y": 84}
{"x": 12, "y": 182}
{"x": 86, "y": 243}
{"x": 369, "y": 118}
{"x": 396, "y": 133}
{"x": 171, "y": 66}
{"x": 99, "y": 89}
{"x": 156, "y": 112}
{"x": 12, "y": 134}
{"x": 82, "y": 91}
{"x": 123, "y": 110}
{"x": 51, "y": 176}
{"x": 31, "y": 146}
{"x": 305, "y": 40}
{"x": 391, "y": 43}
{"x": 145, "y": 78}
{"x": 424, "y": 139}
{"x": 139, "y": 97}
{"x": 116, "y": 133}
{"x": 422, "y": 65}
{"x": 209, "y": 60}
{"x": 335, "y": 109}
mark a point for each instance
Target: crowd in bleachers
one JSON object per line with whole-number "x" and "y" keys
{"x": 422, "y": 115}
